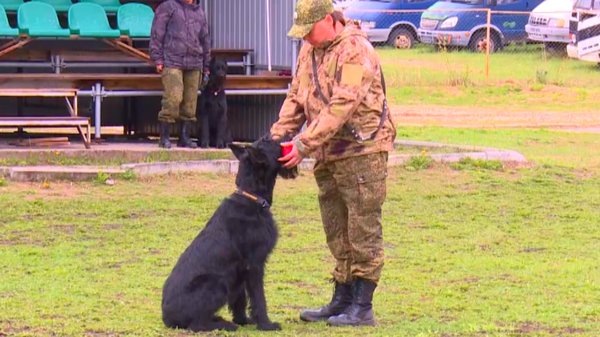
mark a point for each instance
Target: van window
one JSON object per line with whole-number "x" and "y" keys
{"x": 584, "y": 4}
{"x": 469, "y": 2}
{"x": 507, "y": 2}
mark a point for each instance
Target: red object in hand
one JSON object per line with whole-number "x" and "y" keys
{"x": 286, "y": 149}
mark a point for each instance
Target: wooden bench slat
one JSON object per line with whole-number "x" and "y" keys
{"x": 43, "y": 121}
{"x": 75, "y": 121}
{"x": 38, "y": 92}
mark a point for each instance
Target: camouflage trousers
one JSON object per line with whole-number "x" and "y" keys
{"x": 180, "y": 95}
{"x": 351, "y": 194}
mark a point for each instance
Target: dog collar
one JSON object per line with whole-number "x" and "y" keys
{"x": 257, "y": 199}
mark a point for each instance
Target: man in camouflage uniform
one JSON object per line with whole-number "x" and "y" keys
{"x": 180, "y": 47}
{"x": 349, "y": 135}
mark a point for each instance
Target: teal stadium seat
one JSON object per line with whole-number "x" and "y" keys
{"x": 5, "y": 28}
{"x": 38, "y": 19}
{"x": 11, "y": 5}
{"x": 135, "y": 20}
{"x": 89, "y": 20}
{"x": 59, "y": 5}
{"x": 110, "y": 6}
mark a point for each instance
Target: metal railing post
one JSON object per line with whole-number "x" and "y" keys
{"x": 97, "y": 93}
{"x": 487, "y": 44}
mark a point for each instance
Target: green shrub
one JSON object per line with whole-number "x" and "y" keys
{"x": 420, "y": 162}
{"x": 477, "y": 164}
{"x": 129, "y": 175}
{"x": 101, "y": 178}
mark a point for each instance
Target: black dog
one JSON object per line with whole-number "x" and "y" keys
{"x": 225, "y": 263}
{"x": 214, "y": 129}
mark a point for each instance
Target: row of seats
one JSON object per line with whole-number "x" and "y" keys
{"x": 111, "y": 6}
{"x": 86, "y": 19}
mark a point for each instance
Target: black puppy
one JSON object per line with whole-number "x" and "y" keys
{"x": 225, "y": 263}
{"x": 212, "y": 113}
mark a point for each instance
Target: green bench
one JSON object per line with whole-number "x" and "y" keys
{"x": 5, "y": 28}
{"x": 11, "y": 5}
{"x": 59, "y": 5}
{"x": 39, "y": 19}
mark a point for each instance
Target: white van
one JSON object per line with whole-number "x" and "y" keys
{"x": 585, "y": 34}
{"x": 549, "y": 23}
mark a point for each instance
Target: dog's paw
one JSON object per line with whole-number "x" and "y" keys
{"x": 269, "y": 326}
{"x": 243, "y": 321}
{"x": 227, "y": 326}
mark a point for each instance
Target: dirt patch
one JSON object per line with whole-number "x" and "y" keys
{"x": 48, "y": 190}
{"x": 477, "y": 117}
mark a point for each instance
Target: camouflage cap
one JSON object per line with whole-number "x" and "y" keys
{"x": 309, "y": 12}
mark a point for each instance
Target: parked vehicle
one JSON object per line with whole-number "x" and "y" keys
{"x": 455, "y": 23}
{"x": 585, "y": 31}
{"x": 397, "y": 29}
{"x": 341, "y": 4}
{"x": 549, "y": 23}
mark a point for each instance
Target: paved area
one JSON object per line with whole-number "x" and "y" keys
{"x": 143, "y": 148}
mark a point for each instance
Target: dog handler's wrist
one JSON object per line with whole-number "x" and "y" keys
{"x": 301, "y": 148}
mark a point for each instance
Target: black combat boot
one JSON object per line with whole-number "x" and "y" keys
{"x": 184, "y": 136}
{"x": 361, "y": 310}
{"x": 342, "y": 298}
{"x": 164, "y": 135}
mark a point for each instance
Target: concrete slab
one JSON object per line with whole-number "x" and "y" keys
{"x": 81, "y": 173}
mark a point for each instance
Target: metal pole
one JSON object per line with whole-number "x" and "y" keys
{"x": 97, "y": 94}
{"x": 487, "y": 45}
{"x": 294, "y": 44}
{"x": 268, "y": 3}
{"x": 206, "y": 11}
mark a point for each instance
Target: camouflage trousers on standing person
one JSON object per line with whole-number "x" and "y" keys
{"x": 351, "y": 194}
{"x": 180, "y": 95}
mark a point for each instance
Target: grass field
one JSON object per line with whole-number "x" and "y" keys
{"x": 520, "y": 78}
{"x": 470, "y": 252}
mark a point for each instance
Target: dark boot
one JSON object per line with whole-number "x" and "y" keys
{"x": 361, "y": 310}
{"x": 342, "y": 298}
{"x": 184, "y": 136}
{"x": 164, "y": 135}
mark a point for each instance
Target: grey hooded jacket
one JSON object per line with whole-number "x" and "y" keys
{"x": 179, "y": 37}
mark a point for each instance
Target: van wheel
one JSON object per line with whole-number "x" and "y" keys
{"x": 478, "y": 42}
{"x": 401, "y": 38}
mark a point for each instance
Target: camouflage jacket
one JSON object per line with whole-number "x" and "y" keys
{"x": 349, "y": 74}
{"x": 179, "y": 37}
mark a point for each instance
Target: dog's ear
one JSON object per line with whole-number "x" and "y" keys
{"x": 266, "y": 137}
{"x": 257, "y": 156}
{"x": 238, "y": 150}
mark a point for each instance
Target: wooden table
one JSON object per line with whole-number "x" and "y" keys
{"x": 49, "y": 121}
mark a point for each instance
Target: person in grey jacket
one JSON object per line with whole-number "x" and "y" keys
{"x": 180, "y": 49}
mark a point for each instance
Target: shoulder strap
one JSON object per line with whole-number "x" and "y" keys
{"x": 347, "y": 127}
{"x": 316, "y": 78}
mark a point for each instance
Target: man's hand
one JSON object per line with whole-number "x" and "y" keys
{"x": 293, "y": 158}
{"x": 159, "y": 68}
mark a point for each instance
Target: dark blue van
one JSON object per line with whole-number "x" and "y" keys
{"x": 398, "y": 29}
{"x": 449, "y": 23}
